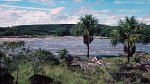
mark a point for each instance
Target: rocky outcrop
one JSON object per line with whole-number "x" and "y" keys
{"x": 77, "y": 62}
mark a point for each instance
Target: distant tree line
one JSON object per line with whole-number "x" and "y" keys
{"x": 53, "y": 29}
{"x": 57, "y": 30}
{"x": 61, "y": 30}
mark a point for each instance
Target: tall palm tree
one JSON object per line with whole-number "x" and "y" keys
{"x": 87, "y": 28}
{"x": 129, "y": 32}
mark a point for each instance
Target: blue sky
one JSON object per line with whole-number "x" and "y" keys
{"x": 26, "y": 12}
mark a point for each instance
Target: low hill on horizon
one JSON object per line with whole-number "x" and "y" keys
{"x": 44, "y": 29}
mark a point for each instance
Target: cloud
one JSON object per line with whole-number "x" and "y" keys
{"x": 57, "y": 10}
{"x": 21, "y": 7}
{"x": 105, "y": 11}
{"x": 52, "y": 10}
{"x": 19, "y": 15}
{"x": 11, "y": 17}
{"x": 85, "y": 10}
{"x": 128, "y": 11}
{"x": 65, "y": 19}
{"x": 145, "y": 19}
{"x": 26, "y": 17}
{"x": 11, "y": 0}
{"x": 123, "y": 2}
{"x": 105, "y": 16}
{"x": 50, "y": 2}
{"x": 77, "y": 1}
{"x": 131, "y": 1}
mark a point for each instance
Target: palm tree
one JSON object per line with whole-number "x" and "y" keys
{"x": 129, "y": 32}
{"x": 87, "y": 28}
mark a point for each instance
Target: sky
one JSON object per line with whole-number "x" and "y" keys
{"x": 27, "y": 12}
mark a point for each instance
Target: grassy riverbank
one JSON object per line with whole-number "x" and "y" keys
{"x": 65, "y": 75}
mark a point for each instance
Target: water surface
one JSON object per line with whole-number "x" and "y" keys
{"x": 75, "y": 45}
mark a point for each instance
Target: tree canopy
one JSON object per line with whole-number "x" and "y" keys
{"x": 129, "y": 32}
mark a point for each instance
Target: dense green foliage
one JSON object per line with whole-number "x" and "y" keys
{"x": 55, "y": 29}
{"x": 62, "y": 53}
{"x": 146, "y": 32}
{"x": 128, "y": 33}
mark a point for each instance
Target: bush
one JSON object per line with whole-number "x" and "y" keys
{"x": 63, "y": 53}
{"x": 13, "y": 44}
{"x": 136, "y": 59}
{"x": 44, "y": 56}
{"x": 7, "y": 63}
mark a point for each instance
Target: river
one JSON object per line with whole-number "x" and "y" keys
{"x": 75, "y": 45}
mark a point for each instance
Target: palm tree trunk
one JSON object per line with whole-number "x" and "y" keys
{"x": 88, "y": 50}
{"x": 128, "y": 58}
{"x": 88, "y": 47}
{"x": 0, "y": 63}
{"x": 128, "y": 53}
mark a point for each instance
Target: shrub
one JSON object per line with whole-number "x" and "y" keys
{"x": 63, "y": 53}
{"x": 136, "y": 59}
{"x": 44, "y": 56}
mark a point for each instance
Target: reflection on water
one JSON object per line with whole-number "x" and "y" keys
{"x": 75, "y": 45}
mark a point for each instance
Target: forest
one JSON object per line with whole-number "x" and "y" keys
{"x": 49, "y": 29}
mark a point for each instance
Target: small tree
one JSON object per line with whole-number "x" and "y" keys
{"x": 87, "y": 28}
{"x": 11, "y": 49}
{"x": 129, "y": 32}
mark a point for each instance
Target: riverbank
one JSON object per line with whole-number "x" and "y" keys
{"x": 48, "y": 36}
{"x": 26, "y": 36}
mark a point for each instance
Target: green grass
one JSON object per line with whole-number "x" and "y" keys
{"x": 59, "y": 73}
{"x": 24, "y": 73}
{"x": 113, "y": 59}
{"x": 66, "y": 76}
{"x": 63, "y": 74}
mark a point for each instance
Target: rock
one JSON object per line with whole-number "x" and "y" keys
{"x": 74, "y": 67}
{"x": 69, "y": 59}
{"x": 5, "y": 77}
{"x": 40, "y": 79}
{"x": 123, "y": 75}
